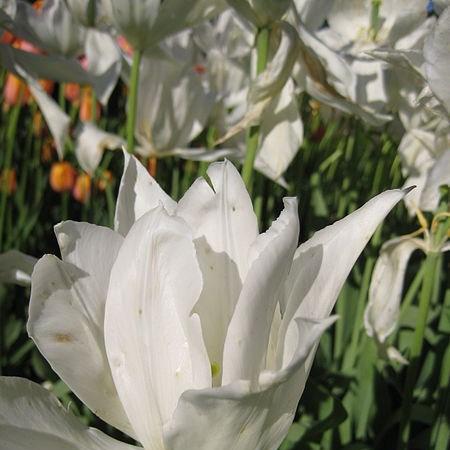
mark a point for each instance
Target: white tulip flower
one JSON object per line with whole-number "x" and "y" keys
{"x": 53, "y": 28}
{"x": 184, "y": 327}
{"x": 145, "y": 23}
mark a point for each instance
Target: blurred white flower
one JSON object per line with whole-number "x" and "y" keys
{"x": 238, "y": 314}
{"x": 52, "y": 28}
{"x": 145, "y": 23}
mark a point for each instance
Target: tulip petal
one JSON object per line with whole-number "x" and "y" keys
{"x": 436, "y": 51}
{"x": 226, "y": 226}
{"x": 33, "y": 418}
{"x": 386, "y": 286}
{"x": 91, "y": 143}
{"x": 138, "y": 193}
{"x": 57, "y": 120}
{"x": 155, "y": 283}
{"x": 67, "y": 312}
{"x": 322, "y": 264}
{"x": 104, "y": 63}
{"x": 236, "y": 417}
{"x": 248, "y": 333}
{"x": 16, "y": 267}
{"x": 281, "y": 134}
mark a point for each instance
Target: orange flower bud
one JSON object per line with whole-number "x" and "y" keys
{"x": 15, "y": 90}
{"x": 7, "y": 38}
{"x": 48, "y": 150}
{"x": 8, "y": 181}
{"x": 82, "y": 189}
{"x": 86, "y": 105}
{"x": 152, "y": 165}
{"x": 72, "y": 93}
{"x": 104, "y": 180}
{"x": 62, "y": 176}
{"x": 38, "y": 5}
{"x": 125, "y": 45}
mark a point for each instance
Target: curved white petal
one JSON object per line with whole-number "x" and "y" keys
{"x": 32, "y": 418}
{"x": 322, "y": 264}
{"x": 237, "y": 417}
{"x": 138, "y": 193}
{"x": 224, "y": 227}
{"x": 270, "y": 259}
{"x": 67, "y": 312}
{"x": 91, "y": 143}
{"x": 281, "y": 134}
{"x": 104, "y": 63}
{"x": 437, "y": 176}
{"x": 16, "y": 267}
{"x": 437, "y": 58}
{"x": 154, "y": 343}
{"x": 386, "y": 286}
{"x": 57, "y": 120}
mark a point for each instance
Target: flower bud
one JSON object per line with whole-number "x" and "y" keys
{"x": 62, "y": 176}
{"x": 82, "y": 190}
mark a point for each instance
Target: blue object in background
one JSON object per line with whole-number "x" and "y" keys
{"x": 430, "y": 7}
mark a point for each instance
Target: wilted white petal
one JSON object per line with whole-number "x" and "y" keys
{"x": 91, "y": 143}
{"x": 314, "y": 274}
{"x": 16, "y": 267}
{"x": 437, "y": 56}
{"x": 394, "y": 355}
{"x": 386, "y": 287}
{"x": 271, "y": 81}
{"x": 67, "y": 312}
{"x": 155, "y": 283}
{"x": 33, "y": 418}
{"x": 138, "y": 193}
{"x": 270, "y": 258}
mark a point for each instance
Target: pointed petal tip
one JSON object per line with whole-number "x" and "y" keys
{"x": 408, "y": 189}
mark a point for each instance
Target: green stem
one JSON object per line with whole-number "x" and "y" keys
{"x": 10, "y": 140}
{"x": 132, "y": 99}
{"x": 416, "y": 349}
{"x": 252, "y": 139}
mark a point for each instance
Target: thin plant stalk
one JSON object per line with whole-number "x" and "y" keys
{"x": 132, "y": 99}
{"x": 252, "y": 139}
{"x": 10, "y": 140}
{"x": 416, "y": 349}
{"x": 431, "y": 265}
